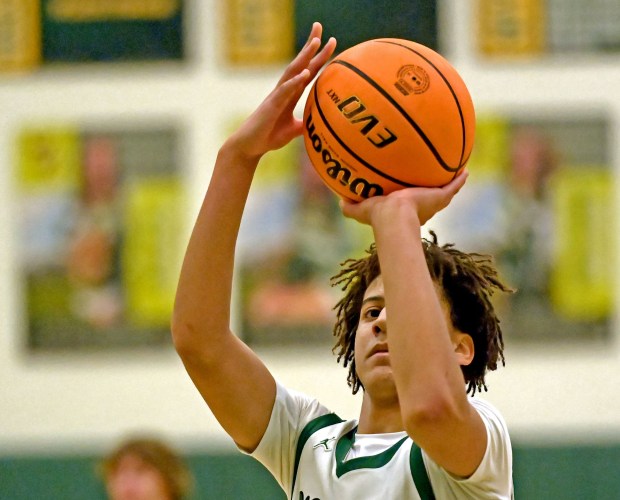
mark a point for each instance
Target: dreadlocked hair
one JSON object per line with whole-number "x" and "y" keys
{"x": 468, "y": 281}
{"x": 354, "y": 277}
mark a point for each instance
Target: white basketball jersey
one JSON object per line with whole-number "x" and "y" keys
{"x": 324, "y": 470}
{"x": 315, "y": 455}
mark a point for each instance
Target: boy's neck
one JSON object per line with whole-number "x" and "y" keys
{"x": 379, "y": 416}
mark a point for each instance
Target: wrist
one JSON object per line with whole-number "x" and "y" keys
{"x": 232, "y": 153}
{"x": 392, "y": 212}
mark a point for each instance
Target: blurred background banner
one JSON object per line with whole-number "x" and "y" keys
{"x": 258, "y": 32}
{"x": 100, "y": 218}
{"x": 39, "y": 32}
{"x": 541, "y": 201}
{"x": 290, "y": 244}
{"x": 20, "y": 39}
{"x": 355, "y": 21}
{"x": 272, "y": 31}
{"x": 536, "y": 27}
{"x": 128, "y": 30}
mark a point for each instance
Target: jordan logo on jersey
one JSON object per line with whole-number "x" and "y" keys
{"x": 324, "y": 444}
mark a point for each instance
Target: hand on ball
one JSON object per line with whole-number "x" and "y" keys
{"x": 422, "y": 203}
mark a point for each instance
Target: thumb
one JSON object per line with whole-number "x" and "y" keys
{"x": 454, "y": 186}
{"x": 347, "y": 207}
{"x": 358, "y": 211}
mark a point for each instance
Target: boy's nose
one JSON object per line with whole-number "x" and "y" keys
{"x": 380, "y": 325}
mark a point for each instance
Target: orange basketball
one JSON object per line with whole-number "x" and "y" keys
{"x": 388, "y": 114}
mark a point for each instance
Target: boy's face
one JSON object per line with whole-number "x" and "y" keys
{"x": 372, "y": 359}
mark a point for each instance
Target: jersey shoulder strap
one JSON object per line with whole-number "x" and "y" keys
{"x": 310, "y": 428}
{"x": 420, "y": 476}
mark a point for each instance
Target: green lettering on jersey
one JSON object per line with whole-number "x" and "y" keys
{"x": 302, "y": 496}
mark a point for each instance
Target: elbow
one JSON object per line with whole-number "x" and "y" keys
{"x": 197, "y": 342}
{"x": 185, "y": 337}
{"x": 420, "y": 417}
{"x": 181, "y": 334}
{"x": 432, "y": 414}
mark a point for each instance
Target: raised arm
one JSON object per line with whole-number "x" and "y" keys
{"x": 233, "y": 381}
{"x": 423, "y": 357}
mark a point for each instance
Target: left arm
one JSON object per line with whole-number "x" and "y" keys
{"x": 428, "y": 378}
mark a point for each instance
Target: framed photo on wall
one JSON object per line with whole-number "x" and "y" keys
{"x": 101, "y": 235}
{"x": 292, "y": 240}
{"x": 540, "y": 199}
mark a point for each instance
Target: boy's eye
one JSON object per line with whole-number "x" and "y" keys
{"x": 373, "y": 312}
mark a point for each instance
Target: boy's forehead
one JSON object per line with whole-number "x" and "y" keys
{"x": 375, "y": 288}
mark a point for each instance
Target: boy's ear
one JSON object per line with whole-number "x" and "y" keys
{"x": 463, "y": 347}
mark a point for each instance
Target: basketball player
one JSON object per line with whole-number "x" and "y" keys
{"x": 418, "y": 435}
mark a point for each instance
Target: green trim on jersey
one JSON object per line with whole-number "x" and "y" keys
{"x": 420, "y": 476}
{"x": 345, "y": 443}
{"x": 310, "y": 428}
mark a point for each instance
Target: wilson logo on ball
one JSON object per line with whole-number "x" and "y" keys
{"x": 334, "y": 169}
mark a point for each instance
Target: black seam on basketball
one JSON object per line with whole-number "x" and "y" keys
{"x": 350, "y": 151}
{"x": 456, "y": 100}
{"x": 411, "y": 121}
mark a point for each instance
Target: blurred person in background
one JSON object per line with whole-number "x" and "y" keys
{"x": 145, "y": 468}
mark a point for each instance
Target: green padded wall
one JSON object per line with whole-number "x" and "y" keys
{"x": 540, "y": 472}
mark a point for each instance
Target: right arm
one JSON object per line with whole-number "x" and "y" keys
{"x": 233, "y": 381}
